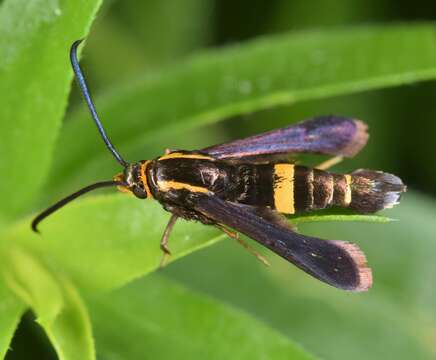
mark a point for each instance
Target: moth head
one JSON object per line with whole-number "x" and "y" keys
{"x": 133, "y": 180}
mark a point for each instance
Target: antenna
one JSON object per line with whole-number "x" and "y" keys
{"x": 70, "y": 198}
{"x": 87, "y": 95}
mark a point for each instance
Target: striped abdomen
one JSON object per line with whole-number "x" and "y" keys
{"x": 295, "y": 189}
{"x": 298, "y": 188}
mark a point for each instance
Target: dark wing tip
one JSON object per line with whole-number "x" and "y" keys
{"x": 358, "y": 140}
{"x": 363, "y": 273}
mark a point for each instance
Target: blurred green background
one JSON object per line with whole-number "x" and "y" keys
{"x": 131, "y": 40}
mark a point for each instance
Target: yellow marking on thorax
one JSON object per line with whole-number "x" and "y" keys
{"x": 284, "y": 188}
{"x": 347, "y": 196}
{"x": 177, "y": 155}
{"x": 175, "y": 185}
{"x": 144, "y": 179}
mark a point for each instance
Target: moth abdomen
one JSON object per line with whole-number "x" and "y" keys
{"x": 373, "y": 191}
{"x": 298, "y": 189}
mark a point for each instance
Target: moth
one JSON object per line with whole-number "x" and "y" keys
{"x": 247, "y": 186}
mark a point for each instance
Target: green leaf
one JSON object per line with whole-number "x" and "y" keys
{"x": 246, "y": 78}
{"x": 32, "y": 283}
{"x": 11, "y": 310}
{"x": 35, "y": 73}
{"x": 161, "y": 319}
{"x": 55, "y": 301}
{"x": 35, "y": 76}
{"x": 329, "y": 218}
{"x": 71, "y": 332}
{"x": 328, "y": 215}
{"x": 398, "y": 313}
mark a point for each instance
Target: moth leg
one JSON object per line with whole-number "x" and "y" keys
{"x": 235, "y": 235}
{"x": 329, "y": 163}
{"x": 164, "y": 240}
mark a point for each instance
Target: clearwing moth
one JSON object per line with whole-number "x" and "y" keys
{"x": 246, "y": 186}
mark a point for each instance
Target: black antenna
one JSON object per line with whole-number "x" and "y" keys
{"x": 86, "y": 94}
{"x": 70, "y": 198}
{"x": 82, "y": 83}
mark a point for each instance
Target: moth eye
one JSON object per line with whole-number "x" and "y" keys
{"x": 139, "y": 192}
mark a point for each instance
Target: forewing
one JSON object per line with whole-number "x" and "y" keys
{"x": 330, "y": 135}
{"x": 337, "y": 263}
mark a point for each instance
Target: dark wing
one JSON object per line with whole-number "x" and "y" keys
{"x": 337, "y": 263}
{"x": 330, "y": 135}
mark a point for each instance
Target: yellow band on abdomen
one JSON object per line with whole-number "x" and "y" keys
{"x": 347, "y": 196}
{"x": 284, "y": 188}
